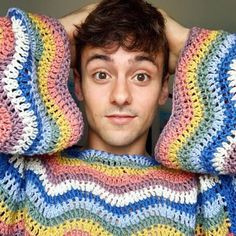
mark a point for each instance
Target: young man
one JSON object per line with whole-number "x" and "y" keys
{"x": 112, "y": 187}
{"x": 123, "y": 71}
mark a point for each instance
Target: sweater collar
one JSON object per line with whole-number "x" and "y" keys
{"x": 110, "y": 159}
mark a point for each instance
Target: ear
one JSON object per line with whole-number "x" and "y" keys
{"x": 77, "y": 84}
{"x": 164, "y": 91}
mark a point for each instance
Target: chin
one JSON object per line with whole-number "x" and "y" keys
{"x": 119, "y": 144}
{"x": 117, "y": 140}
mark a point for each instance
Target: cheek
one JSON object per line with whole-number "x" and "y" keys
{"x": 147, "y": 103}
{"x": 149, "y": 109}
{"x": 94, "y": 98}
{"x": 147, "y": 97}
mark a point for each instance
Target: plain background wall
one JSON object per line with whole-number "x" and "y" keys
{"x": 218, "y": 14}
{"x": 213, "y": 14}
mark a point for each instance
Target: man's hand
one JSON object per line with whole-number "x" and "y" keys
{"x": 69, "y": 21}
{"x": 176, "y": 35}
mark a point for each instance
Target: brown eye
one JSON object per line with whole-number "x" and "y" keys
{"x": 101, "y": 75}
{"x": 141, "y": 77}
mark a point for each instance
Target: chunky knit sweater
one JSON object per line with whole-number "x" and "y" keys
{"x": 48, "y": 187}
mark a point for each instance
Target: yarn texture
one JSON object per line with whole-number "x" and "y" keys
{"x": 97, "y": 193}
{"x": 201, "y": 133}
{"x": 48, "y": 186}
{"x": 38, "y": 114}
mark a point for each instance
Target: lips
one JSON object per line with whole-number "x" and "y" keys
{"x": 119, "y": 119}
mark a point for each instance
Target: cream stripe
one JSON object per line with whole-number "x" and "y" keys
{"x": 113, "y": 199}
{"x": 27, "y": 116}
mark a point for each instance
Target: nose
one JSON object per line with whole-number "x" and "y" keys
{"x": 121, "y": 94}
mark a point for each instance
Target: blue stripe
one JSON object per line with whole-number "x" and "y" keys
{"x": 210, "y": 195}
{"x": 34, "y": 186}
{"x": 229, "y": 109}
{"x": 9, "y": 175}
{"x": 50, "y": 211}
{"x": 101, "y": 156}
{"x": 24, "y": 78}
{"x": 229, "y": 193}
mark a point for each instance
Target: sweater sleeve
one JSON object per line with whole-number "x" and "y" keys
{"x": 37, "y": 112}
{"x": 216, "y": 212}
{"x": 201, "y": 133}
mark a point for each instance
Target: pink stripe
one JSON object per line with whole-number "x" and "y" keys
{"x": 57, "y": 173}
{"x": 57, "y": 82}
{"x": 12, "y": 229}
{"x": 5, "y": 125}
{"x": 179, "y": 121}
{"x": 10, "y": 120}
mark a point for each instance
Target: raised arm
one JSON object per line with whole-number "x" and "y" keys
{"x": 177, "y": 36}
{"x": 37, "y": 112}
{"x": 200, "y": 135}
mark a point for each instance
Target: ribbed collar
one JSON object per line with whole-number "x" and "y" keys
{"x": 110, "y": 159}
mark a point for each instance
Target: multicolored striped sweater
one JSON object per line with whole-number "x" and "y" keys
{"x": 48, "y": 187}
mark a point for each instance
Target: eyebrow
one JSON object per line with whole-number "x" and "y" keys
{"x": 138, "y": 58}
{"x": 98, "y": 57}
{"x": 148, "y": 58}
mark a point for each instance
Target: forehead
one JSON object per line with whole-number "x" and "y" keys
{"x": 113, "y": 53}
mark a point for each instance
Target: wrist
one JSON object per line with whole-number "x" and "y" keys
{"x": 69, "y": 30}
{"x": 177, "y": 36}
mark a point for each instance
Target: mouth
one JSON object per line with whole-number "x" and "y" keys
{"x": 120, "y": 119}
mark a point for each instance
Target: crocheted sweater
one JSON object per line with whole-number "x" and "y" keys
{"x": 48, "y": 187}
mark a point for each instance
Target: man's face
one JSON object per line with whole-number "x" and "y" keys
{"x": 121, "y": 92}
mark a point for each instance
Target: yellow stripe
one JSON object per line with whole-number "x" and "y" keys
{"x": 164, "y": 230}
{"x": 33, "y": 227}
{"x": 222, "y": 229}
{"x": 43, "y": 71}
{"x": 182, "y": 139}
{"x": 9, "y": 217}
{"x": 92, "y": 227}
{"x": 111, "y": 171}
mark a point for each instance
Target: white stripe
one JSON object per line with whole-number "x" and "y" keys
{"x": 221, "y": 155}
{"x": 111, "y": 198}
{"x": 28, "y": 118}
{"x": 207, "y": 182}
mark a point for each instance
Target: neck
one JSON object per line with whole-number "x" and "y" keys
{"x": 138, "y": 147}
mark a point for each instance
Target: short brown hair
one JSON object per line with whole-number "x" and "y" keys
{"x": 118, "y": 21}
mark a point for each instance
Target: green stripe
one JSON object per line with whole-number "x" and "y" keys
{"x": 10, "y": 203}
{"x": 115, "y": 230}
{"x": 202, "y": 84}
{"x": 213, "y": 222}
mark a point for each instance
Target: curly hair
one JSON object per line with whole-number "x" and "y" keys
{"x": 134, "y": 25}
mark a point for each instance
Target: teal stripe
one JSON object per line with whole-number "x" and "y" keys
{"x": 187, "y": 158}
{"x": 115, "y": 230}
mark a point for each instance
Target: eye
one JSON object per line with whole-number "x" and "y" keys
{"x": 101, "y": 75}
{"x": 142, "y": 77}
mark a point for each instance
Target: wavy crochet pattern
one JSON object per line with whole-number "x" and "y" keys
{"x": 102, "y": 194}
{"x": 201, "y": 133}
{"x": 97, "y": 193}
{"x": 38, "y": 114}
{"x": 90, "y": 192}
